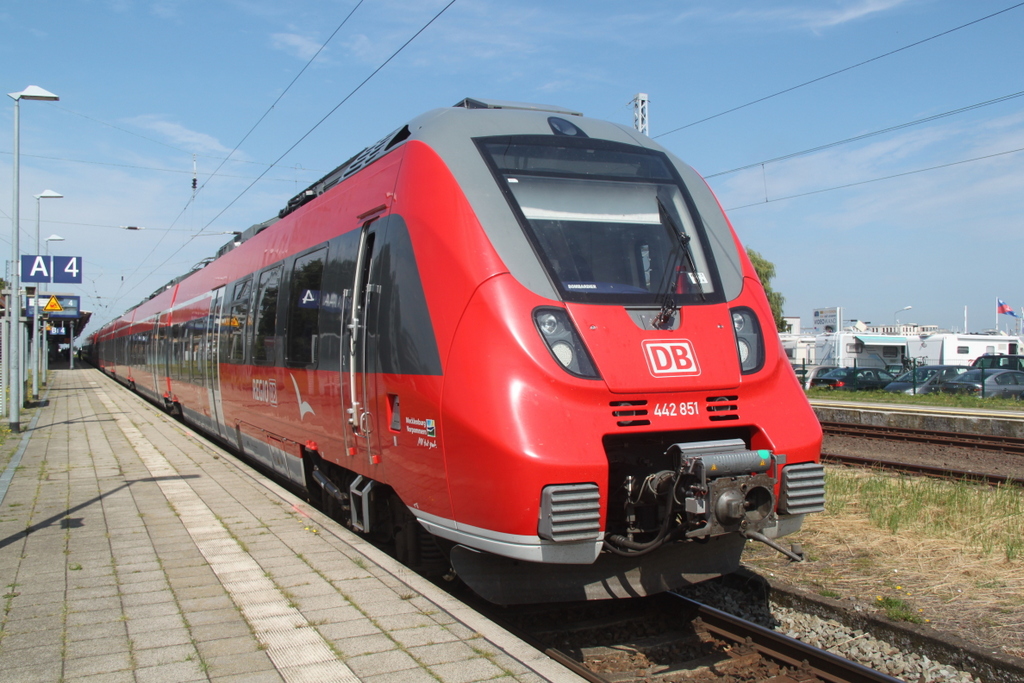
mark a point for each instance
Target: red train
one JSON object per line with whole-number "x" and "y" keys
{"x": 520, "y": 343}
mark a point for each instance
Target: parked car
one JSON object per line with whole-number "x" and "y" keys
{"x": 814, "y": 372}
{"x": 1002, "y": 361}
{"x": 853, "y": 379}
{"x": 998, "y": 383}
{"x": 925, "y": 379}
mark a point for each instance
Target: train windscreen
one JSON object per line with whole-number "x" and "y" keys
{"x": 611, "y": 223}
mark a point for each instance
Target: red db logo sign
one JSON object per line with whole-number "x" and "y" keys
{"x": 671, "y": 358}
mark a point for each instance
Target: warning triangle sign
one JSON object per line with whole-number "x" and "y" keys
{"x": 53, "y": 306}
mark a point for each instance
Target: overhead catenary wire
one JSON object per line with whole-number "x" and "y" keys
{"x": 180, "y": 171}
{"x": 328, "y": 114}
{"x": 301, "y": 138}
{"x": 839, "y": 71}
{"x": 196, "y": 190}
{"x": 875, "y": 180}
{"x": 864, "y": 136}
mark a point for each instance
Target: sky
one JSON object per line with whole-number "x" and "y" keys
{"x": 921, "y": 204}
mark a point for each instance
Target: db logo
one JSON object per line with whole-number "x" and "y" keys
{"x": 671, "y": 358}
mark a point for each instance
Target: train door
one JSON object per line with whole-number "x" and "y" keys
{"x": 360, "y": 394}
{"x": 160, "y": 370}
{"x": 211, "y": 360}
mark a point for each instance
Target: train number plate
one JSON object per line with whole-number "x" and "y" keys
{"x": 681, "y": 409}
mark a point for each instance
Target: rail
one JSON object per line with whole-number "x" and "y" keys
{"x": 783, "y": 649}
{"x": 988, "y": 442}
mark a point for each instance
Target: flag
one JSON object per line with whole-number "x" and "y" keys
{"x": 1001, "y": 307}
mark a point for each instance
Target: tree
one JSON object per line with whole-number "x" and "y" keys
{"x": 765, "y": 270}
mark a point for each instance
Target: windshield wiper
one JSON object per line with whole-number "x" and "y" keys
{"x": 668, "y": 302}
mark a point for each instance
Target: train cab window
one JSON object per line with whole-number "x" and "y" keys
{"x": 611, "y": 223}
{"x": 264, "y": 343}
{"x": 303, "y": 334}
{"x": 232, "y": 343}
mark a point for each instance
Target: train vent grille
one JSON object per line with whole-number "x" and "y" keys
{"x": 630, "y": 413}
{"x": 803, "y": 489}
{"x": 722, "y": 408}
{"x": 570, "y": 512}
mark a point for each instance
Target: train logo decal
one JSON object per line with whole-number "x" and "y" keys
{"x": 304, "y": 407}
{"x": 264, "y": 391}
{"x": 671, "y": 358}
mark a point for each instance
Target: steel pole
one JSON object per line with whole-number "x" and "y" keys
{"x": 35, "y": 320}
{"x": 14, "y": 414}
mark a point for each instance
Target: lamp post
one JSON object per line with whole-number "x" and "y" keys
{"x": 46, "y": 357}
{"x": 895, "y": 320}
{"x": 32, "y": 92}
{"x": 36, "y": 364}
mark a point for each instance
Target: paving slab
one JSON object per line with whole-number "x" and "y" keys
{"x": 132, "y": 549}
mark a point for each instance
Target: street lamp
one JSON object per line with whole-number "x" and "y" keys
{"x": 895, "y": 321}
{"x": 36, "y": 364}
{"x": 32, "y": 92}
{"x": 52, "y": 238}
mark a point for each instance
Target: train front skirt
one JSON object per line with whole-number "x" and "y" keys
{"x": 506, "y": 581}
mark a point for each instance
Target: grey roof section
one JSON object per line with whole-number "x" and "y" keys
{"x": 450, "y": 132}
{"x": 474, "y": 103}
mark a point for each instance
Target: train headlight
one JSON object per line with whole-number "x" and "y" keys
{"x": 548, "y": 323}
{"x": 563, "y": 352}
{"x": 564, "y": 343}
{"x": 749, "y": 340}
{"x": 744, "y": 348}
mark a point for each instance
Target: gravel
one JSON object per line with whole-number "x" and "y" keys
{"x": 827, "y": 634}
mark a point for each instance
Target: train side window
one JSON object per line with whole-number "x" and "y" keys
{"x": 232, "y": 346}
{"x": 304, "y": 309}
{"x": 264, "y": 338}
{"x": 176, "y": 351}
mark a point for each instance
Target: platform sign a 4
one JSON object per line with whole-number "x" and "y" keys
{"x": 56, "y": 269}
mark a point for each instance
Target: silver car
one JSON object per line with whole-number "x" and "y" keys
{"x": 925, "y": 379}
{"x": 998, "y": 383}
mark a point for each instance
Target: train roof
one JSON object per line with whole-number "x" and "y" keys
{"x": 520, "y": 117}
{"x": 450, "y": 131}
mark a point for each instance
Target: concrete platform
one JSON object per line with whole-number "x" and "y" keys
{"x": 131, "y": 549}
{"x": 981, "y": 421}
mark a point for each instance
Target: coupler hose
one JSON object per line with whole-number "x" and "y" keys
{"x": 636, "y": 549}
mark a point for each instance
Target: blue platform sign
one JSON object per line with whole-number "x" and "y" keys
{"x": 57, "y": 269}
{"x": 35, "y": 268}
{"x": 67, "y": 269}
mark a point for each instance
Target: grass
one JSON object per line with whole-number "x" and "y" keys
{"x": 940, "y": 400}
{"x": 898, "y": 610}
{"x": 987, "y": 519}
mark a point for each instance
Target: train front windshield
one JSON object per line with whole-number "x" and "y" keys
{"x": 612, "y": 223}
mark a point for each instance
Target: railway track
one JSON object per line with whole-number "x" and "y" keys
{"x": 671, "y": 638}
{"x": 926, "y": 470}
{"x": 960, "y": 440}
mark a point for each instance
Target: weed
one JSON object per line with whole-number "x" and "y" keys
{"x": 936, "y": 508}
{"x": 828, "y": 593}
{"x": 898, "y": 610}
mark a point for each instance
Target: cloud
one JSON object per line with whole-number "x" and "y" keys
{"x": 816, "y": 17}
{"x": 179, "y": 135}
{"x": 295, "y": 44}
